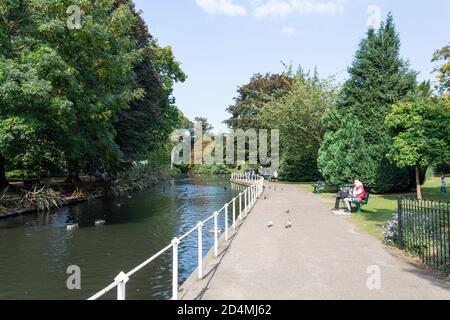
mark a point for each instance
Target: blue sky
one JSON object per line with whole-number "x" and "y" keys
{"x": 222, "y": 43}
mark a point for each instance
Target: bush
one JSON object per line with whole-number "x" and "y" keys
{"x": 214, "y": 169}
{"x": 302, "y": 169}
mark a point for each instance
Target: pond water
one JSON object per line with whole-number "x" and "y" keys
{"x": 36, "y": 250}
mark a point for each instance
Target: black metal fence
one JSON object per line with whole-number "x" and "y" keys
{"x": 424, "y": 230}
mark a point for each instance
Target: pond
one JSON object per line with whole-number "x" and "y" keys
{"x": 36, "y": 250}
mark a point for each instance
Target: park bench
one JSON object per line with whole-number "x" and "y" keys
{"x": 318, "y": 186}
{"x": 363, "y": 203}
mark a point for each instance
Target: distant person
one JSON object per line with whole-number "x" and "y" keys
{"x": 341, "y": 196}
{"x": 275, "y": 175}
{"x": 444, "y": 184}
{"x": 358, "y": 195}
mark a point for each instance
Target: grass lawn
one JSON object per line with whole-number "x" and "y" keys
{"x": 381, "y": 208}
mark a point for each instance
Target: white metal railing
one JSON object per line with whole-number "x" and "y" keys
{"x": 247, "y": 199}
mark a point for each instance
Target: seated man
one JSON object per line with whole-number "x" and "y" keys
{"x": 358, "y": 195}
{"x": 341, "y": 195}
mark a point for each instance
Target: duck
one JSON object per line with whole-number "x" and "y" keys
{"x": 100, "y": 222}
{"x": 219, "y": 230}
{"x": 72, "y": 226}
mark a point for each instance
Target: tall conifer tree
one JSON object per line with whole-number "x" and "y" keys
{"x": 357, "y": 140}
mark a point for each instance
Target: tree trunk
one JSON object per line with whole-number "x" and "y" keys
{"x": 3, "y": 182}
{"x": 74, "y": 176}
{"x": 419, "y": 187}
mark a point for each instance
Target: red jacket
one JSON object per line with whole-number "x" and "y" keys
{"x": 359, "y": 193}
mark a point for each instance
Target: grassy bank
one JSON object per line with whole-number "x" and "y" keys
{"x": 380, "y": 209}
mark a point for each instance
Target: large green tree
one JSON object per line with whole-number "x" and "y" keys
{"x": 62, "y": 88}
{"x": 297, "y": 115}
{"x": 443, "y": 54}
{"x": 357, "y": 140}
{"x": 421, "y": 135}
{"x": 252, "y": 96}
{"x": 134, "y": 124}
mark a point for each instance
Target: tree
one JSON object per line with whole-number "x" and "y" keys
{"x": 421, "y": 135}
{"x": 252, "y": 96}
{"x": 444, "y": 70}
{"x": 170, "y": 72}
{"x": 63, "y": 88}
{"x": 378, "y": 79}
{"x": 134, "y": 124}
{"x": 297, "y": 115}
{"x": 206, "y": 127}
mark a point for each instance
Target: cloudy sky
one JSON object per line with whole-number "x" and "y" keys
{"x": 222, "y": 43}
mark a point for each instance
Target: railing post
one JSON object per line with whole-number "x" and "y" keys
{"x": 240, "y": 206}
{"x": 245, "y": 202}
{"x": 226, "y": 222}
{"x": 400, "y": 223}
{"x": 175, "y": 243}
{"x": 234, "y": 213}
{"x": 216, "y": 238}
{"x": 121, "y": 286}
{"x": 200, "y": 250}
{"x": 253, "y": 195}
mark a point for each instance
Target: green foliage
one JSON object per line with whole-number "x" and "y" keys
{"x": 80, "y": 100}
{"x": 252, "y": 96}
{"x": 299, "y": 169}
{"x": 357, "y": 139}
{"x": 214, "y": 169}
{"x": 206, "y": 126}
{"x": 140, "y": 177}
{"x": 297, "y": 114}
{"x": 444, "y": 70}
{"x": 421, "y": 133}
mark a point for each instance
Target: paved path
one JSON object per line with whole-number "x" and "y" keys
{"x": 321, "y": 257}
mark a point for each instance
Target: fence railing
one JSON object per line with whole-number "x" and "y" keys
{"x": 424, "y": 230}
{"x": 246, "y": 199}
{"x": 246, "y": 177}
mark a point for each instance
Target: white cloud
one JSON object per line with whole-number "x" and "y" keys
{"x": 273, "y": 8}
{"x": 287, "y": 31}
{"x": 225, "y": 7}
{"x": 284, "y": 8}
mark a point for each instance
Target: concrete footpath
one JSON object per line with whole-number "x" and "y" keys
{"x": 322, "y": 256}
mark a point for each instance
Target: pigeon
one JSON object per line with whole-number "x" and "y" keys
{"x": 288, "y": 211}
{"x": 99, "y": 222}
{"x": 72, "y": 226}
{"x": 265, "y": 198}
{"x": 270, "y": 224}
{"x": 289, "y": 224}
